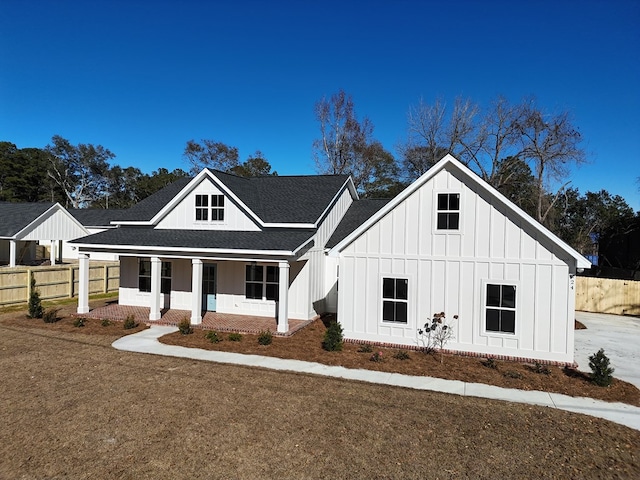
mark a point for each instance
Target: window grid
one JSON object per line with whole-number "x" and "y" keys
{"x": 203, "y": 207}
{"x": 395, "y": 295}
{"x": 500, "y": 316}
{"x": 144, "y": 276}
{"x": 448, "y": 211}
{"x": 262, "y": 282}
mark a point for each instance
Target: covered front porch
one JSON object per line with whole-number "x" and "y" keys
{"x": 221, "y": 322}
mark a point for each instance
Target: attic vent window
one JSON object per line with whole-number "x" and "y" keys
{"x": 448, "y": 211}
{"x": 202, "y": 208}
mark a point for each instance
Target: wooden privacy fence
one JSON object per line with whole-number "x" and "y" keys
{"x": 60, "y": 281}
{"x": 605, "y": 295}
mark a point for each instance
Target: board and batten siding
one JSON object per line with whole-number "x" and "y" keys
{"x": 56, "y": 225}
{"x": 448, "y": 272}
{"x": 183, "y": 215}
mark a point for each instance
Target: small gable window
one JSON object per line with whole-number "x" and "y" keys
{"x": 501, "y": 308}
{"x": 209, "y": 208}
{"x": 395, "y": 295}
{"x": 448, "y": 212}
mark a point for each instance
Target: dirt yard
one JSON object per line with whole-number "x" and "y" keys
{"x": 71, "y": 406}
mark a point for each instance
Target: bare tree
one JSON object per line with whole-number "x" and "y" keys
{"x": 343, "y": 144}
{"x": 210, "y": 154}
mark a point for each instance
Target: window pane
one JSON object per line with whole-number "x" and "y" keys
{"x": 453, "y": 221}
{"x": 508, "y": 324}
{"x": 388, "y": 290}
{"x": 214, "y": 200}
{"x": 273, "y": 274}
{"x": 401, "y": 288}
{"x": 388, "y": 311}
{"x": 401, "y": 312}
{"x": 214, "y": 214}
{"x": 144, "y": 284}
{"x": 272, "y": 291}
{"x": 442, "y": 221}
{"x": 493, "y": 320}
{"x": 254, "y": 272}
{"x": 201, "y": 201}
{"x": 166, "y": 269}
{"x": 220, "y": 215}
{"x": 493, "y": 295}
{"x": 145, "y": 267}
{"x": 221, "y": 200}
{"x": 254, "y": 290}
{"x": 165, "y": 285}
{"x": 454, "y": 201}
{"x": 443, "y": 201}
{"x": 509, "y": 296}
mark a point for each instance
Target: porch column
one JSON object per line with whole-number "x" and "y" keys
{"x": 12, "y": 252}
{"x": 60, "y": 251}
{"x": 83, "y": 283}
{"x": 196, "y": 291}
{"x": 52, "y": 252}
{"x": 283, "y": 298}
{"x": 154, "y": 303}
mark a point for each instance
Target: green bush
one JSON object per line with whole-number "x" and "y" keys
{"x": 235, "y": 337}
{"x": 130, "y": 322}
{"x": 601, "y": 371}
{"x": 541, "y": 368}
{"x": 490, "y": 363}
{"x": 401, "y": 355}
{"x": 50, "y": 315}
{"x": 35, "y": 304}
{"x": 332, "y": 341}
{"x": 213, "y": 337}
{"x": 265, "y": 337}
{"x": 185, "y": 326}
{"x": 365, "y": 348}
{"x": 376, "y": 357}
{"x": 79, "y": 322}
{"x": 105, "y": 322}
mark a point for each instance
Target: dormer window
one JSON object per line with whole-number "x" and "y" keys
{"x": 204, "y": 204}
{"x": 448, "y": 212}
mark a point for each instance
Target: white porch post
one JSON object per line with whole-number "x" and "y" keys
{"x": 196, "y": 291}
{"x": 52, "y": 252}
{"x": 12, "y": 252}
{"x": 154, "y": 304}
{"x": 283, "y": 298}
{"x": 83, "y": 287}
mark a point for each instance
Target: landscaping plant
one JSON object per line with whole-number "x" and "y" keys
{"x": 79, "y": 322}
{"x": 332, "y": 341}
{"x": 213, "y": 336}
{"x": 436, "y": 334}
{"x": 601, "y": 371}
{"x": 35, "y": 304}
{"x": 50, "y": 315}
{"x": 130, "y": 322}
{"x": 265, "y": 337}
{"x": 235, "y": 337}
{"x": 376, "y": 357}
{"x": 185, "y": 326}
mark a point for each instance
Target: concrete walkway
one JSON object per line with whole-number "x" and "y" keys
{"x": 146, "y": 341}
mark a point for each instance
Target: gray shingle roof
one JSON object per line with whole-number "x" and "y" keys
{"x": 96, "y": 217}
{"x": 269, "y": 240}
{"x": 359, "y": 212}
{"x": 15, "y": 216}
{"x": 274, "y": 199}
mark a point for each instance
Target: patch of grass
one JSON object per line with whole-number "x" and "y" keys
{"x": 265, "y": 337}
{"x": 235, "y": 337}
{"x": 213, "y": 336}
{"x": 130, "y": 322}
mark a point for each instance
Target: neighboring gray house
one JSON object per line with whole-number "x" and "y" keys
{"x": 24, "y": 225}
{"x": 295, "y": 247}
{"x": 95, "y": 220}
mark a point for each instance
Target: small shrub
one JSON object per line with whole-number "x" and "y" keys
{"x": 332, "y": 341}
{"x": 130, "y": 322}
{"x": 235, "y": 337}
{"x": 512, "y": 374}
{"x": 601, "y": 371}
{"x": 213, "y": 337}
{"x": 436, "y": 333}
{"x": 490, "y": 363}
{"x": 35, "y": 304}
{"x": 50, "y": 315}
{"x": 365, "y": 348}
{"x": 265, "y": 337}
{"x": 541, "y": 368}
{"x": 185, "y": 326}
{"x": 105, "y": 322}
{"x": 376, "y": 357}
{"x": 79, "y": 322}
{"x": 401, "y": 355}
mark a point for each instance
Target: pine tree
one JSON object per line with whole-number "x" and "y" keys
{"x": 35, "y": 305}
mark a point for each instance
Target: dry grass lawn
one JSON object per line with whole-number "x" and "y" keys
{"x": 73, "y": 407}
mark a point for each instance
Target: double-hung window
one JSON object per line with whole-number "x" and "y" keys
{"x": 448, "y": 211}
{"x": 500, "y": 314}
{"x": 209, "y": 207}
{"x": 395, "y": 296}
{"x": 144, "y": 276}
{"x": 262, "y": 282}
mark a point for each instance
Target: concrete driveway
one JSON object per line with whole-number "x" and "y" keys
{"x": 620, "y": 338}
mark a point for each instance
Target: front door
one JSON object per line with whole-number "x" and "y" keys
{"x": 209, "y": 287}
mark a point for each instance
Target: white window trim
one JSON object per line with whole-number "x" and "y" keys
{"x": 209, "y": 209}
{"x": 144, "y": 292}
{"x": 483, "y": 309}
{"x": 409, "y": 301}
{"x": 264, "y": 282}
{"x": 434, "y": 222}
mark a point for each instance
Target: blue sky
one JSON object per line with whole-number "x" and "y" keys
{"x": 143, "y": 77}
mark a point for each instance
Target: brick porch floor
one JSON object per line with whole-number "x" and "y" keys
{"x": 222, "y": 322}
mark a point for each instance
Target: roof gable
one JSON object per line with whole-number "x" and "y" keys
{"x": 16, "y": 216}
{"x": 29, "y": 221}
{"x": 471, "y": 180}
